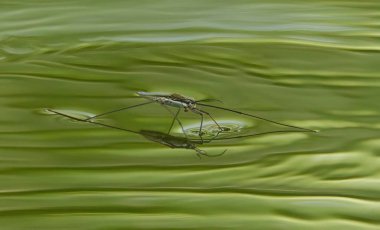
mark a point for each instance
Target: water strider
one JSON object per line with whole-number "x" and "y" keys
{"x": 174, "y": 141}
{"x": 189, "y": 104}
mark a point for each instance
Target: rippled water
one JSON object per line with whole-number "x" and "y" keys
{"x": 314, "y": 65}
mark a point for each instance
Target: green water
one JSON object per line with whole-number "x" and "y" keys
{"x": 313, "y": 64}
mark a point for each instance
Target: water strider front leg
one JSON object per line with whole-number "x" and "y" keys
{"x": 117, "y": 110}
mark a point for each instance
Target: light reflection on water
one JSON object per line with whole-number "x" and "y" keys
{"x": 210, "y": 129}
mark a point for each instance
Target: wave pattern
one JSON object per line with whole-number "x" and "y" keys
{"x": 313, "y": 65}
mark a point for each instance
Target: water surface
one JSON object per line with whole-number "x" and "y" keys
{"x": 312, "y": 64}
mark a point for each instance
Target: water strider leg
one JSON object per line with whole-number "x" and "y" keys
{"x": 120, "y": 109}
{"x": 200, "y": 128}
{"x": 174, "y": 119}
{"x": 208, "y": 114}
{"x": 91, "y": 122}
{"x": 258, "y": 117}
